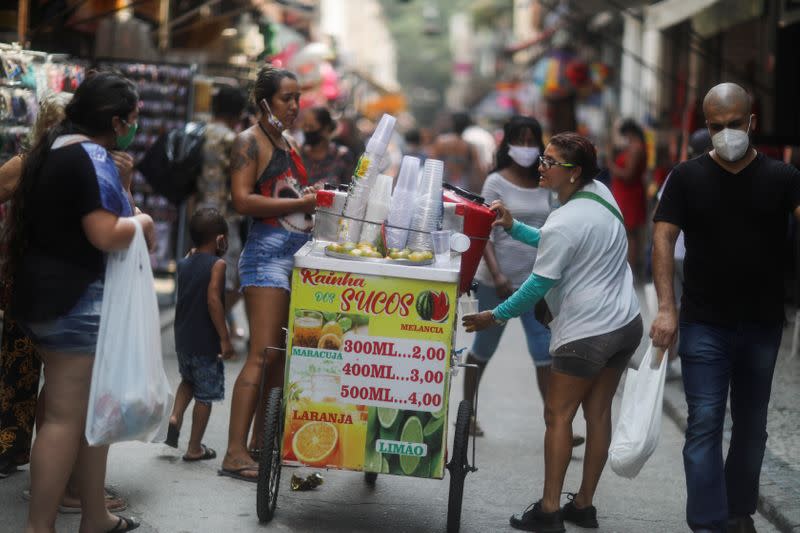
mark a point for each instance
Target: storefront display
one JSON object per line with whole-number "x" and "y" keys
{"x": 166, "y": 93}
{"x": 26, "y": 76}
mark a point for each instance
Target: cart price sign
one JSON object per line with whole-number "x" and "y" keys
{"x": 366, "y": 382}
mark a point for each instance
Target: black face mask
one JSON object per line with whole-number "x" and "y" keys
{"x": 313, "y": 138}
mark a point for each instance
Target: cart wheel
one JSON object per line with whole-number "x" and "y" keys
{"x": 269, "y": 467}
{"x": 370, "y": 477}
{"x": 458, "y": 467}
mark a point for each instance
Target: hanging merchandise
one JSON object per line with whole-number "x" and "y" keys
{"x": 26, "y": 77}
{"x": 166, "y": 104}
{"x": 549, "y": 74}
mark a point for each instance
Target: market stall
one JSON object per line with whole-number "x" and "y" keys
{"x": 372, "y": 322}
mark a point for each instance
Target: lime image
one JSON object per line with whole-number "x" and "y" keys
{"x": 372, "y": 426}
{"x": 385, "y": 469}
{"x": 432, "y": 432}
{"x": 439, "y": 413}
{"x": 412, "y": 432}
{"x": 387, "y": 416}
{"x": 424, "y": 468}
{"x": 373, "y": 460}
{"x": 389, "y": 422}
{"x": 436, "y": 465}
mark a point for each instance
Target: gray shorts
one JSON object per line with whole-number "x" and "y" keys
{"x": 585, "y": 358}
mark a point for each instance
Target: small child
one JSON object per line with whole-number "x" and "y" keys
{"x": 202, "y": 339}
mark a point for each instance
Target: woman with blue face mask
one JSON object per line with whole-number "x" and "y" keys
{"x": 508, "y": 263}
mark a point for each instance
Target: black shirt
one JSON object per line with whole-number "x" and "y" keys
{"x": 195, "y": 333}
{"x": 59, "y": 261}
{"x": 735, "y": 227}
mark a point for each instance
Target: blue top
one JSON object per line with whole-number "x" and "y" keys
{"x": 195, "y": 333}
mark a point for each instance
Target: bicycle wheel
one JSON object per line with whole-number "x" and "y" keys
{"x": 269, "y": 466}
{"x": 458, "y": 467}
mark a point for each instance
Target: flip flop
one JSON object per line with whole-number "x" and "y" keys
{"x": 208, "y": 453}
{"x": 236, "y": 473}
{"x": 255, "y": 454}
{"x": 113, "y": 505}
{"x": 129, "y": 525}
{"x": 173, "y": 434}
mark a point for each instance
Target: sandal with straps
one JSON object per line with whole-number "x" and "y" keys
{"x": 129, "y": 524}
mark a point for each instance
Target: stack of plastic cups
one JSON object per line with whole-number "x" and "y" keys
{"x": 403, "y": 200}
{"x": 364, "y": 178}
{"x": 428, "y": 214}
{"x": 380, "y": 198}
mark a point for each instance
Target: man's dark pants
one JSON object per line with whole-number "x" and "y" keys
{"x": 714, "y": 359}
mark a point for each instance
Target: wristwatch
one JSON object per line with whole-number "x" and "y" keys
{"x": 497, "y": 321}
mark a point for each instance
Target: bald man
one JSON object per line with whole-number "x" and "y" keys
{"x": 732, "y": 205}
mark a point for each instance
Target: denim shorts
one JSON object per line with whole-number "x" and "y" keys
{"x": 74, "y": 332}
{"x": 486, "y": 341}
{"x": 268, "y": 256}
{"x": 206, "y": 375}
{"x": 585, "y": 358}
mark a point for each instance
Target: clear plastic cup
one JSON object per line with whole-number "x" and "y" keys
{"x": 468, "y": 305}
{"x": 441, "y": 246}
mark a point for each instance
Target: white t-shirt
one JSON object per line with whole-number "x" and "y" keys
{"x": 584, "y": 247}
{"x": 530, "y": 206}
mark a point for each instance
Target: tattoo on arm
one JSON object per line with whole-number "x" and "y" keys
{"x": 245, "y": 150}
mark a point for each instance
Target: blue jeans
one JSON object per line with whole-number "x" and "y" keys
{"x": 714, "y": 359}
{"x": 487, "y": 340}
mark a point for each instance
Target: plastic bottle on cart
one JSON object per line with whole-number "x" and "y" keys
{"x": 366, "y": 172}
{"x": 380, "y": 199}
{"x": 427, "y": 216}
{"x": 402, "y": 207}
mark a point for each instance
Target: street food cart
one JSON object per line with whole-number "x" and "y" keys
{"x": 368, "y": 365}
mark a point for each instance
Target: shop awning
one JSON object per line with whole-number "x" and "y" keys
{"x": 724, "y": 15}
{"x": 670, "y": 12}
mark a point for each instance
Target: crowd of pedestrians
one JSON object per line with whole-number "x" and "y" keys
{"x": 563, "y": 257}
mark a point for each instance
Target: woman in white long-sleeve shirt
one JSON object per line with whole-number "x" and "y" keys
{"x": 582, "y": 272}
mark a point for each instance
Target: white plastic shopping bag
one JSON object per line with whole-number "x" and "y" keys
{"x": 130, "y": 396}
{"x": 639, "y": 426}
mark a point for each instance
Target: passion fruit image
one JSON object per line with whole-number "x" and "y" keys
{"x": 333, "y": 327}
{"x": 330, "y": 341}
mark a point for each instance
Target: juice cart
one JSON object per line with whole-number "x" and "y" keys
{"x": 368, "y": 366}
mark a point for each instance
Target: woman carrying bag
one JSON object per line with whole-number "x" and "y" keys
{"x": 69, "y": 210}
{"x": 582, "y": 271}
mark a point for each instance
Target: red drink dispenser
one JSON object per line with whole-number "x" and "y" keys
{"x": 472, "y": 217}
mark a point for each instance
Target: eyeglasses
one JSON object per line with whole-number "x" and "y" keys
{"x": 547, "y": 162}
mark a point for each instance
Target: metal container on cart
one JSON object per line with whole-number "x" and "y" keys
{"x": 368, "y": 361}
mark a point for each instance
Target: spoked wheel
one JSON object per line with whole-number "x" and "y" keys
{"x": 370, "y": 477}
{"x": 458, "y": 467}
{"x": 269, "y": 467}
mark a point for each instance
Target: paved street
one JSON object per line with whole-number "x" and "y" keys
{"x": 171, "y": 496}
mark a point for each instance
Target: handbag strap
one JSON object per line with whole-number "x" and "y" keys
{"x": 600, "y": 200}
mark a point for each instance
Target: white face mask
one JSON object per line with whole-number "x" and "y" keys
{"x": 731, "y": 145}
{"x": 524, "y": 156}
